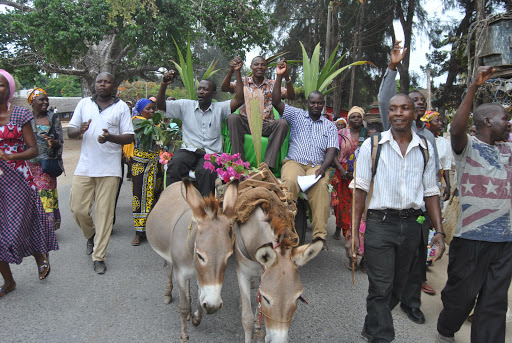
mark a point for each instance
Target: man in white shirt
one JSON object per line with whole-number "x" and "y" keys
{"x": 411, "y": 297}
{"x": 105, "y": 123}
{"x": 201, "y": 126}
{"x": 402, "y": 185}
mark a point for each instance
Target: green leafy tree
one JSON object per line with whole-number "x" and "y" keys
{"x": 64, "y": 85}
{"x": 125, "y": 38}
{"x": 306, "y": 21}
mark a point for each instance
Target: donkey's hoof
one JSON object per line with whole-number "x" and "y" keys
{"x": 196, "y": 321}
{"x": 184, "y": 339}
{"x": 167, "y": 299}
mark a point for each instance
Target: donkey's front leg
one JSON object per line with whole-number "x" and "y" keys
{"x": 245, "y": 297}
{"x": 196, "y": 318}
{"x": 184, "y": 305}
{"x": 168, "y": 291}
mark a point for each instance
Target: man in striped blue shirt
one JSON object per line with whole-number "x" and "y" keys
{"x": 313, "y": 146}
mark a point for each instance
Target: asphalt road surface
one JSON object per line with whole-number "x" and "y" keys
{"x": 74, "y": 304}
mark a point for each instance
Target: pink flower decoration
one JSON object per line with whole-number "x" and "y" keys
{"x": 208, "y": 165}
{"x": 231, "y": 171}
{"x": 165, "y": 157}
{"x": 229, "y": 167}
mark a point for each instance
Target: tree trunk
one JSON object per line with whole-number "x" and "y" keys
{"x": 453, "y": 69}
{"x": 407, "y": 25}
{"x": 357, "y": 55}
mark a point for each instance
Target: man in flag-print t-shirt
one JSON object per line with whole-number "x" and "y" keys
{"x": 480, "y": 266}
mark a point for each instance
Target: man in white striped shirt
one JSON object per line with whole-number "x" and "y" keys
{"x": 313, "y": 146}
{"x": 402, "y": 185}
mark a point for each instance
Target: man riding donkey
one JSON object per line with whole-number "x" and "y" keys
{"x": 202, "y": 121}
{"x": 313, "y": 147}
{"x": 238, "y": 125}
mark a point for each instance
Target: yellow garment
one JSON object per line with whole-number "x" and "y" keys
{"x": 128, "y": 148}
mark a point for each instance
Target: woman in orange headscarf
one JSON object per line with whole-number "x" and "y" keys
{"x": 50, "y": 140}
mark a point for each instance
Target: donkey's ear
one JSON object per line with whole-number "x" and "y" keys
{"x": 194, "y": 200}
{"x": 305, "y": 253}
{"x": 266, "y": 255}
{"x": 230, "y": 197}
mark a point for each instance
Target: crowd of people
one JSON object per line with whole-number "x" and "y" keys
{"x": 386, "y": 179}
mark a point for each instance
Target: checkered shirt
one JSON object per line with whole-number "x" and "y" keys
{"x": 309, "y": 140}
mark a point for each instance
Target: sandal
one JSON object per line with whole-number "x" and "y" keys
{"x": 3, "y": 292}
{"x": 44, "y": 268}
{"x": 137, "y": 240}
{"x": 428, "y": 289}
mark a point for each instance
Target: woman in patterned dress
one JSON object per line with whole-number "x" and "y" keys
{"x": 50, "y": 147}
{"x": 350, "y": 141}
{"x": 147, "y": 176}
{"x": 24, "y": 226}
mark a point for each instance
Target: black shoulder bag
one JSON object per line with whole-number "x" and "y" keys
{"x": 52, "y": 166}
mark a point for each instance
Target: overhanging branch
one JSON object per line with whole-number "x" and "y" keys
{"x": 16, "y": 5}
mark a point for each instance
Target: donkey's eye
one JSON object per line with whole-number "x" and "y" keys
{"x": 200, "y": 257}
{"x": 266, "y": 299}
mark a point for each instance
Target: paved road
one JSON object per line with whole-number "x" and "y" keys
{"x": 125, "y": 305}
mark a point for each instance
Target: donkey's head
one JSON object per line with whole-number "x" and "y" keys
{"x": 213, "y": 244}
{"x": 281, "y": 287}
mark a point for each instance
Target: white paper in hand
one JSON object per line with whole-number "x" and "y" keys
{"x": 305, "y": 182}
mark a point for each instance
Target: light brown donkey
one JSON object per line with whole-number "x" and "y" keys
{"x": 258, "y": 253}
{"x": 193, "y": 235}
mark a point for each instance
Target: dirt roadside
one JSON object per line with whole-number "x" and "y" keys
{"x": 70, "y": 156}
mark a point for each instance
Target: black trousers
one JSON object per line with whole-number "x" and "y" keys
{"x": 411, "y": 295}
{"x": 483, "y": 269}
{"x": 390, "y": 246}
{"x": 184, "y": 161}
{"x": 276, "y": 132}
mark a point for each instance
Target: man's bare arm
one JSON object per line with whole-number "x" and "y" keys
{"x": 461, "y": 118}
{"x": 160, "y": 97}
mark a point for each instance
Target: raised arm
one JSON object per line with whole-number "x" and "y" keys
{"x": 290, "y": 91}
{"x": 461, "y": 117}
{"x": 160, "y": 97}
{"x": 387, "y": 87}
{"x": 227, "y": 85}
{"x": 236, "y": 65}
{"x": 281, "y": 69}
